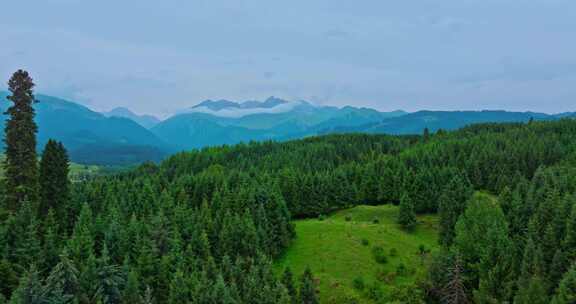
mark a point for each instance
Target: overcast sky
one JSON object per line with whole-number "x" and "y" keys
{"x": 160, "y": 56}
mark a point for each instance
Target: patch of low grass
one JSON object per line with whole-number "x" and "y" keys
{"x": 336, "y": 251}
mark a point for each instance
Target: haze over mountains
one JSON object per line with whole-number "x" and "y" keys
{"x": 120, "y": 137}
{"x": 147, "y": 121}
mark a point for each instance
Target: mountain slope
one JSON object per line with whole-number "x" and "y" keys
{"x": 91, "y": 137}
{"x": 415, "y": 123}
{"x": 196, "y": 130}
{"x": 147, "y": 121}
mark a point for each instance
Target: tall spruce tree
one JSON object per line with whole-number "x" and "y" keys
{"x": 288, "y": 282}
{"x": 20, "y": 164}
{"x": 54, "y": 182}
{"x": 452, "y": 204}
{"x": 483, "y": 243}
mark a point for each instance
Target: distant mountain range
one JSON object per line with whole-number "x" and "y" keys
{"x": 121, "y": 137}
{"x": 92, "y": 137}
{"x": 226, "y": 122}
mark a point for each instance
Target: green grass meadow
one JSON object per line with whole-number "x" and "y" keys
{"x": 339, "y": 249}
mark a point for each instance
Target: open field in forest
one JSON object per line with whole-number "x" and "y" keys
{"x": 339, "y": 249}
{"x": 79, "y": 172}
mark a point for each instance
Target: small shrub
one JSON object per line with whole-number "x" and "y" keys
{"x": 375, "y": 221}
{"x": 390, "y": 277}
{"x": 381, "y": 275}
{"x": 321, "y": 217}
{"x": 407, "y": 294}
{"x": 381, "y": 259}
{"x": 365, "y": 242}
{"x": 374, "y": 292}
{"x": 358, "y": 283}
{"x": 422, "y": 249}
{"x": 348, "y": 218}
{"x": 401, "y": 269}
{"x": 393, "y": 252}
{"x": 379, "y": 256}
{"x": 349, "y": 299}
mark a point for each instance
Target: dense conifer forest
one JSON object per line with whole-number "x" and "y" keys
{"x": 204, "y": 226}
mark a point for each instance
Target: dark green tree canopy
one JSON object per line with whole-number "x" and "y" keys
{"x": 54, "y": 182}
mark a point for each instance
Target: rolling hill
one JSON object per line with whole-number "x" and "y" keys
{"x": 415, "y": 123}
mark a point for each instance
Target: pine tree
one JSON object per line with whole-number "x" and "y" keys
{"x": 569, "y": 242}
{"x": 30, "y": 290}
{"x": 64, "y": 277}
{"x": 533, "y": 291}
{"x": 282, "y": 295}
{"x": 221, "y": 292}
{"x": 8, "y": 278}
{"x": 51, "y": 241}
{"x": 426, "y": 135}
{"x": 482, "y": 241}
{"x": 308, "y": 288}
{"x": 454, "y": 292}
{"x": 131, "y": 294}
{"x": 288, "y": 282}
{"x": 110, "y": 279}
{"x": 54, "y": 182}
{"x": 27, "y": 249}
{"x": 406, "y": 216}
{"x": 81, "y": 243}
{"x": 21, "y": 168}
{"x": 178, "y": 291}
{"x": 566, "y": 292}
{"x": 557, "y": 268}
{"x": 452, "y": 204}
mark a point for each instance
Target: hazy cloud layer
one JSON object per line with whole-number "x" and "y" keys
{"x": 238, "y": 112}
{"x": 159, "y": 57}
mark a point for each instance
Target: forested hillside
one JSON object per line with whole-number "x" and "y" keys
{"x": 204, "y": 226}
{"x": 90, "y": 137}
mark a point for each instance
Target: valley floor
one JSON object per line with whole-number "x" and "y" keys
{"x": 339, "y": 250}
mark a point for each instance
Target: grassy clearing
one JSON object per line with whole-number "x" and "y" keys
{"x": 79, "y": 172}
{"x": 340, "y": 249}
